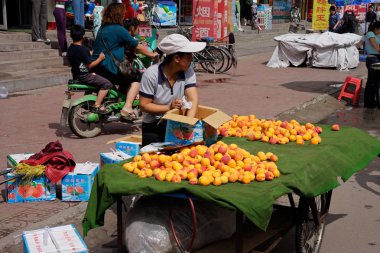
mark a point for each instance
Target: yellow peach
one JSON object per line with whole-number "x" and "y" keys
{"x": 246, "y": 179}
{"x": 162, "y": 158}
{"x": 203, "y": 180}
{"x": 149, "y": 172}
{"x": 137, "y": 158}
{"x": 224, "y": 179}
{"x": 205, "y": 161}
{"x": 141, "y": 164}
{"x": 276, "y": 173}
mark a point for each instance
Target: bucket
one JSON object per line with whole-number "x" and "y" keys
{"x": 3, "y": 92}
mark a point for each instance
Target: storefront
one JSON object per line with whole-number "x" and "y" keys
{"x": 15, "y": 14}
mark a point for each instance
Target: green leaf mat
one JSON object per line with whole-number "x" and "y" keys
{"x": 309, "y": 170}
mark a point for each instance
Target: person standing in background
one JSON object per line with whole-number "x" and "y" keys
{"x": 97, "y": 19}
{"x": 370, "y": 16}
{"x": 334, "y": 21}
{"x": 39, "y": 20}
{"x": 60, "y": 20}
{"x": 78, "y": 8}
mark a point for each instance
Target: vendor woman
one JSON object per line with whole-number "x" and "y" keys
{"x": 164, "y": 85}
{"x": 372, "y": 41}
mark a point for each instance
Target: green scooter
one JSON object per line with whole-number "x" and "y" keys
{"x": 79, "y": 114}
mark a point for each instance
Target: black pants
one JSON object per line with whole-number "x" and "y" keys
{"x": 371, "y": 93}
{"x": 151, "y": 132}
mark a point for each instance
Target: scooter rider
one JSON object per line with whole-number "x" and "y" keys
{"x": 113, "y": 35}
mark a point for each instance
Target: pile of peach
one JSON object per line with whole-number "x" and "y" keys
{"x": 218, "y": 164}
{"x": 270, "y": 131}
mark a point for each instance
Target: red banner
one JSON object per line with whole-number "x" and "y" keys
{"x": 222, "y": 19}
{"x": 205, "y": 16}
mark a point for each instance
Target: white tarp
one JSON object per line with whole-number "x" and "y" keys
{"x": 323, "y": 50}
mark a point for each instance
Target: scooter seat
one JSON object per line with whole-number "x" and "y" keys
{"x": 74, "y": 81}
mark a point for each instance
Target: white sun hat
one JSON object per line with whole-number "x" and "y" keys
{"x": 174, "y": 43}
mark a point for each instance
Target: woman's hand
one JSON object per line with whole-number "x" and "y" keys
{"x": 102, "y": 56}
{"x": 176, "y": 103}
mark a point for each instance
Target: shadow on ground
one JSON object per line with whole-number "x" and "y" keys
{"x": 108, "y": 129}
{"x": 312, "y": 86}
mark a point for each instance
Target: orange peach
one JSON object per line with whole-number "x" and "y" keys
{"x": 269, "y": 176}
{"x": 146, "y": 157}
{"x": 205, "y": 161}
{"x": 233, "y": 177}
{"x": 260, "y": 177}
{"x": 176, "y": 179}
{"x": 217, "y": 181}
{"x": 155, "y": 164}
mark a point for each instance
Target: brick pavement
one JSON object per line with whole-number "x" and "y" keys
{"x": 29, "y": 120}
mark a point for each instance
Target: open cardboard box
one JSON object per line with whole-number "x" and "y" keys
{"x": 130, "y": 138}
{"x": 186, "y": 130}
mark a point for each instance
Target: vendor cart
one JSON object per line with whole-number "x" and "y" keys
{"x": 308, "y": 171}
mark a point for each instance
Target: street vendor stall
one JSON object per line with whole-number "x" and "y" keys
{"x": 324, "y": 50}
{"x": 307, "y": 170}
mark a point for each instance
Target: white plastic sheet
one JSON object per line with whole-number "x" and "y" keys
{"x": 148, "y": 229}
{"x": 317, "y": 49}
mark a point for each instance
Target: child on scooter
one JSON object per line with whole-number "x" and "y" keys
{"x": 81, "y": 64}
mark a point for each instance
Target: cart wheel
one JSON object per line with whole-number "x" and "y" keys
{"x": 309, "y": 228}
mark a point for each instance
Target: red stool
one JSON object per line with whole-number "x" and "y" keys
{"x": 355, "y": 96}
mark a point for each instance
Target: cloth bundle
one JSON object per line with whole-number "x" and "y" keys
{"x": 58, "y": 162}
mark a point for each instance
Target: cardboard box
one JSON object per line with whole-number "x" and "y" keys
{"x": 129, "y": 148}
{"x": 14, "y": 159}
{"x": 54, "y": 240}
{"x": 186, "y": 130}
{"x": 112, "y": 157}
{"x": 130, "y": 138}
{"x": 76, "y": 186}
{"x": 39, "y": 189}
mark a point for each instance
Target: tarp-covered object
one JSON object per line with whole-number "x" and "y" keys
{"x": 307, "y": 169}
{"x": 325, "y": 50}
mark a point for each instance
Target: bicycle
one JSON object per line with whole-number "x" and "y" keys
{"x": 218, "y": 56}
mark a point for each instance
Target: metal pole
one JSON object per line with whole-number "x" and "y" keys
{"x": 119, "y": 216}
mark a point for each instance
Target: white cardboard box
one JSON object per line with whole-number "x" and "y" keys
{"x": 54, "y": 240}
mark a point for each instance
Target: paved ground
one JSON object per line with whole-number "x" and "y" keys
{"x": 30, "y": 120}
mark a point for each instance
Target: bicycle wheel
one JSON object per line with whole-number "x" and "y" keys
{"x": 308, "y": 232}
{"x": 228, "y": 59}
{"x": 232, "y": 58}
{"x": 215, "y": 59}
